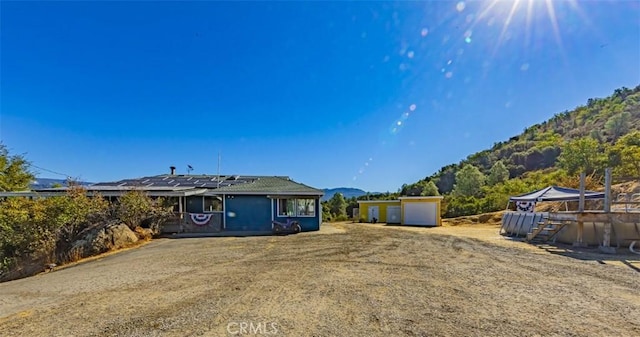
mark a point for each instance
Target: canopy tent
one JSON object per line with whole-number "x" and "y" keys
{"x": 555, "y": 193}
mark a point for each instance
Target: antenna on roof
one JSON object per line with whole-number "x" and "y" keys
{"x": 218, "y": 180}
{"x": 189, "y": 169}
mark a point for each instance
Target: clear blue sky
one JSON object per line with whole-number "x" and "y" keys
{"x": 366, "y": 94}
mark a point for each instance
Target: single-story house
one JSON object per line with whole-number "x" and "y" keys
{"x": 213, "y": 203}
{"x": 413, "y": 211}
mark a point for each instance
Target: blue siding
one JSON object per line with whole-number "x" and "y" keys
{"x": 248, "y": 213}
{"x": 307, "y": 223}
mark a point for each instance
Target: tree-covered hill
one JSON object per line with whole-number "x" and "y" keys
{"x": 603, "y": 133}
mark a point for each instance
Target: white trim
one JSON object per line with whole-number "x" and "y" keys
{"x": 224, "y": 211}
{"x": 314, "y": 208}
{"x": 278, "y": 208}
{"x": 377, "y": 201}
{"x": 295, "y": 207}
{"x": 419, "y": 198}
{"x": 272, "y": 218}
{"x": 204, "y": 210}
{"x": 315, "y": 194}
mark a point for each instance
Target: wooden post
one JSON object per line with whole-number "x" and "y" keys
{"x": 582, "y": 188}
{"x": 607, "y": 190}
{"x": 579, "y": 238}
{"x": 606, "y": 237}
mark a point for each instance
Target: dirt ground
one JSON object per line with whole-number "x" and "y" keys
{"x": 345, "y": 280}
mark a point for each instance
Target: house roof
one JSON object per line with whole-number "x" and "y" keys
{"x": 556, "y": 193}
{"x": 182, "y": 180}
{"x": 271, "y": 186}
{"x": 200, "y": 184}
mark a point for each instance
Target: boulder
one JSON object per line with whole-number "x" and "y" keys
{"x": 102, "y": 239}
{"x": 121, "y": 236}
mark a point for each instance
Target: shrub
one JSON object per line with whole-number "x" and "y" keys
{"x": 135, "y": 207}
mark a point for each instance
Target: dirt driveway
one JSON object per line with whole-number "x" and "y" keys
{"x": 346, "y": 280}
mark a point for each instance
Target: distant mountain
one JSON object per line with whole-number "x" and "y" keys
{"x": 40, "y": 183}
{"x": 346, "y": 192}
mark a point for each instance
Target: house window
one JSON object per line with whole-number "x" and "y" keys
{"x": 286, "y": 207}
{"x": 306, "y": 207}
{"x": 296, "y": 207}
{"x": 212, "y": 204}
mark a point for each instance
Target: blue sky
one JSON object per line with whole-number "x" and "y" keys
{"x": 366, "y": 94}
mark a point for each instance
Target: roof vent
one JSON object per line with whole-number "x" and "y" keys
{"x": 173, "y": 170}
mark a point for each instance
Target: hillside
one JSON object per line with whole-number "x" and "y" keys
{"x": 39, "y": 183}
{"x": 605, "y": 132}
{"x": 347, "y": 192}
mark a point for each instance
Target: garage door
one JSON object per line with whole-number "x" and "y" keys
{"x": 420, "y": 213}
{"x": 393, "y": 214}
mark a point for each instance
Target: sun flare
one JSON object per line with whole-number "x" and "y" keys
{"x": 526, "y": 15}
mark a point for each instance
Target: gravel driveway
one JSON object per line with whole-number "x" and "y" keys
{"x": 346, "y": 280}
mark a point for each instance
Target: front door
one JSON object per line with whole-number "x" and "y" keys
{"x": 374, "y": 213}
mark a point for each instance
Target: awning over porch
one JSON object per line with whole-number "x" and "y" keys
{"x": 556, "y": 193}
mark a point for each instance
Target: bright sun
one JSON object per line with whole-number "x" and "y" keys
{"x": 533, "y": 12}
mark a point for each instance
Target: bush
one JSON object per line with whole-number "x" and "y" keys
{"x": 39, "y": 231}
{"x": 341, "y": 217}
{"x": 135, "y": 207}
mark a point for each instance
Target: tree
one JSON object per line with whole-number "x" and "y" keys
{"x": 618, "y": 124}
{"x": 624, "y": 156}
{"x": 469, "y": 181}
{"x": 337, "y": 205}
{"x": 429, "y": 189}
{"x": 422, "y": 188}
{"x": 581, "y": 155}
{"x": 14, "y": 171}
{"x": 352, "y": 203}
{"x": 498, "y": 173}
{"x": 135, "y": 206}
{"x": 445, "y": 178}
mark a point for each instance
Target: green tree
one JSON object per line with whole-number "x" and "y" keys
{"x": 469, "y": 181}
{"x": 498, "y": 173}
{"x": 618, "y": 124}
{"x": 446, "y": 178}
{"x": 429, "y": 189}
{"x": 352, "y": 203}
{"x": 326, "y": 211}
{"x": 581, "y": 155}
{"x": 135, "y": 206}
{"x": 14, "y": 171}
{"x": 338, "y": 206}
{"x": 624, "y": 155}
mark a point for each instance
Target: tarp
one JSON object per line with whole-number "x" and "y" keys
{"x": 555, "y": 193}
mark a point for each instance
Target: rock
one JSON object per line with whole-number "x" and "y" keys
{"x": 144, "y": 233}
{"x": 113, "y": 236}
{"x": 121, "y": 236}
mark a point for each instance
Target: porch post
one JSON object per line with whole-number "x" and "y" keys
{"x": 606, "y": 239}
{"x": 579, "y": 239}
{"x": 224, "y": 211}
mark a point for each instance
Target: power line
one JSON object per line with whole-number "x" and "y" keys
{"x": 50, "y": 171}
